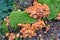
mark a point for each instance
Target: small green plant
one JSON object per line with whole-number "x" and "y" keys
{"x": 20, "y": 17}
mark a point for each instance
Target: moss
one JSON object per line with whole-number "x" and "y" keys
{"x": 4, "y": 28}
{"x": 20, "y": 17}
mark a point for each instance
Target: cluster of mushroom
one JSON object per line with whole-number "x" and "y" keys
{"x": 29, "y": 30}
{"x": 7, "y": 21}
{"x": 38, "y": 10}
{"x": 12, "y": 36}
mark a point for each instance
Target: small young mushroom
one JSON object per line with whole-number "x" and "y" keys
{"x": 58, "y": 17}
{"x": 47, "y": 29}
